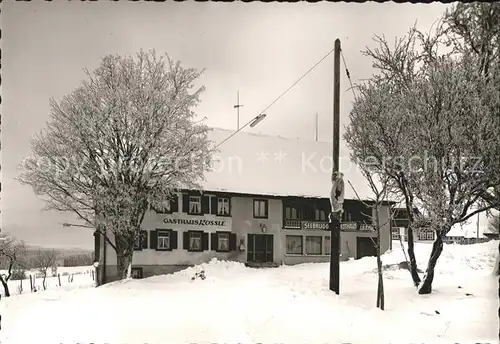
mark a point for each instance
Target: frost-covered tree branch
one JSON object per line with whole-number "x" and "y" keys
{"x": 429, "y": 120}
{"x": 124, "y": 140}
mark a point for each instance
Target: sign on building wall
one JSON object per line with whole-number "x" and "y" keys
{"x": 314, "y": 225}
{"x": 200, "y": 223}
{"x": 356, "y": 227}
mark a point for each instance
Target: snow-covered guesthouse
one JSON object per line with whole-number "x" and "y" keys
{"x": 265, "y": 203}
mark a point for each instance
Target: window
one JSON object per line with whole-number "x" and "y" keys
{"x": 260, "y": 207}
{"x": 163, "y": 242}
{"x": 137, "y": 242}
{"x": 422, "y": 235}
{"x": 136, "y": 272}
{"x": 223, "y": 242}
{"x": 195, "y": 241}
{"x": 327, "y": 246}
{"x": 313, "y": 245}
{"x": 195, "y": 204}
{"x": 222, "y": 206}
{"x": 294, "y": 244}
{"x": 395, "y": 233}
{"x": 291, "y": 212}
{"x": 141, "y": 240}
{"x": 319, "y": 215}
{"x": 430, "y": 235}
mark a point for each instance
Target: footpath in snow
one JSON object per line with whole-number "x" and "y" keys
{"x": 290, "y": 304}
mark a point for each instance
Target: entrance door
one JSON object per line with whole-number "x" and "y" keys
{"x": 365, "y": 247}
{"x": 260, "y": 248}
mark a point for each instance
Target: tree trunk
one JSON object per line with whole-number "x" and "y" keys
{"x": 124, "y": 252}
{"x": 380, "y": 287}
{"x": 437, "y": 248}
{"x": 413, "y": 260}
{"x": 403, "y": 183}
{"x": 5, "y": 286}
{"x": 43, "y": 282}
{"x": 122, "y": 262}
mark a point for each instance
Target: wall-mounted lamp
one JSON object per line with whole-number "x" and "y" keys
{"x": 263, "y": 227}
{"x": 242, "y": 245}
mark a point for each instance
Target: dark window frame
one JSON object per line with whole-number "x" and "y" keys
{"x": 218, "y": 235}
{"x": 301, "y": 246}
{"x": 143, "y": 241}
{"x": 291, "y": 206}
{"x": 159, "y": 233}
{"x": 137, "y": 268}
{"x": 266, "y": 208}
{"x": 189, "y": 205}
{"x": 321, "y": 248}
{"x": 217, "y": 204}
{"x": 201, "y": 241}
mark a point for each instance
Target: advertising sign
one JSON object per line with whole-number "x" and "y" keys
{"x": 315, "y": 225}
{"x": 202, "y": 222}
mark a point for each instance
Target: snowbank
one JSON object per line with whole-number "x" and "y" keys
{"x": 290, "y": 304}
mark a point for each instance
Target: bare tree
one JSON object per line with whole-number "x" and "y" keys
{"x": 12, "y": 253}
{"x": 383, "y": 190}
{"x": 378, "y": 137}
{"x": 43, "y": 260}
{"x": 123, "y": 141}
{"x": 437, "y": 113}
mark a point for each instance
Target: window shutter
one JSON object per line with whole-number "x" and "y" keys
{"x": 173, "y": 240}
{"x": 185, "y": 203}
{"x": 205, "y": 202}
{"x": 204, "y": 241}
{"x": 174, "y": 203}
{"x": 144, "y": 239}
{"x": 232, "y": 242}
{"x": 153, "y": 239}
{"x": 214, "y": 205}
{"x": 213, "y": 241}
{"x": 185, "y": 240}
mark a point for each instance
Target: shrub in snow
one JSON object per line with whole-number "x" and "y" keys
{"x": 200, "y": 275}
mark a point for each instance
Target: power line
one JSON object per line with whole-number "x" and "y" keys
{"x": 348, "y": 74}
{"x": 279, "y": 97}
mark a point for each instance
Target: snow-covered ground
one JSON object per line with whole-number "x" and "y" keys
{"x": 292, "y": 304}
{"x": 71, "y": 278}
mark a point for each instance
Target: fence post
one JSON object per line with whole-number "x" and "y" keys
{"x": 31, "y": 283}
{"x": 21, "y": 290}
{"x": 59, "y": 278}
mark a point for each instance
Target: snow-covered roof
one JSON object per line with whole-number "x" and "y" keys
{"x": 267, "y": 165}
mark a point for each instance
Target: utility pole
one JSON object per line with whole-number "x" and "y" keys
{"x": 237, "y": 107}
{"x": 335, "y": 217}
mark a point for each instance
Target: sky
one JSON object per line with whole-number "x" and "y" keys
{"x": 259, "y": 49}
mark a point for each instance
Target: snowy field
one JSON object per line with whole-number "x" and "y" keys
{"x": 71, "y": 278}
{"x": 235, "y": 304}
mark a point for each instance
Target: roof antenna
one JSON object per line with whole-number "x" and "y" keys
{"x": 316, "y": 127}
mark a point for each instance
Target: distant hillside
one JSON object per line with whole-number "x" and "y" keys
{"x": 61, "y": 252}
